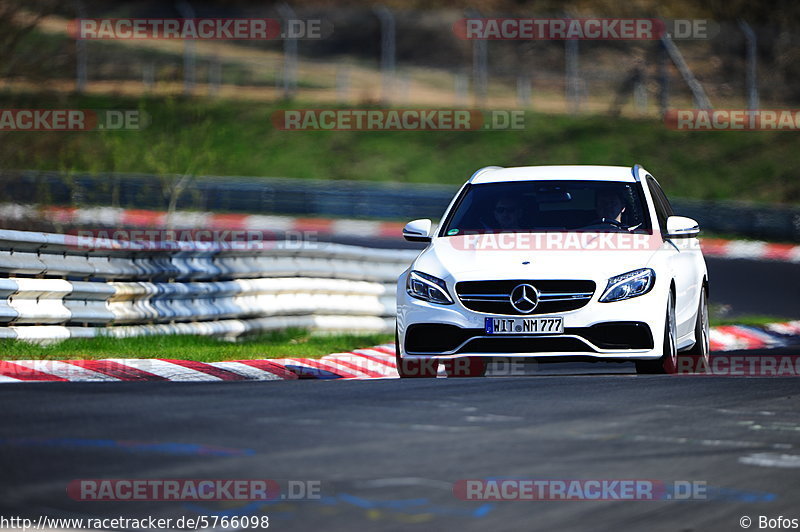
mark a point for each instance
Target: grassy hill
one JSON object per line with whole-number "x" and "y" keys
{"x": 224, "y": 137}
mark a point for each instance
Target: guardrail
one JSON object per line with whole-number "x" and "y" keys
{"x": 60, "y": 286}
{"x": 333, "y": 199}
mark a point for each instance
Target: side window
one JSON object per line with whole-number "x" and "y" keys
{"x": 662, "y": 210}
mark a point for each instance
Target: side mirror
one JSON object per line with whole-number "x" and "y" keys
{"x": 418, "y": 230}
{"x": 682, "y": 227}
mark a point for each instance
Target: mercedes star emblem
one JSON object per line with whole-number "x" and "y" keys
{"x": 524, "y": 298}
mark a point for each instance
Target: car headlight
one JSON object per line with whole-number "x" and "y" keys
{"x": 628, "y": 285}
{"x": 427, "y": 288}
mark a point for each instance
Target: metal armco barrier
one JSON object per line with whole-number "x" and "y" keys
{"x": 58, "y": 286}
{"x": 334, "y": 199}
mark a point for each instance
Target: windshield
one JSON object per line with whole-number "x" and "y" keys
{"x": 540, "y": 206}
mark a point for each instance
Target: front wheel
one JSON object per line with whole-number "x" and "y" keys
{"x": 668, "y": 363}
{"x": 700, "y": 351}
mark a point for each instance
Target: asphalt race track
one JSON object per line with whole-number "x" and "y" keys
{"x": 387, "y": 452}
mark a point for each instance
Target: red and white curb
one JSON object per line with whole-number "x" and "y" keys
{"x": 137, "y": 218}
{"x": 754, "y": 250}
{"x": 373, "y": 363}
{"x": 742, "y": 337}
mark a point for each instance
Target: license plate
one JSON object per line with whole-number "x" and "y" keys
{"x": 551, "y": 325}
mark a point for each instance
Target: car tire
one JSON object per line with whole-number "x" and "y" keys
{"x": 465, "y": 367}
{"x": 699, "y": 354}
{"x": 414, "y": 368}
{"x": 668, "y": 363}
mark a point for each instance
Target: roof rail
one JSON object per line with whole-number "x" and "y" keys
{"x": 635, "y": 171}
{"x": 484, "y": 169}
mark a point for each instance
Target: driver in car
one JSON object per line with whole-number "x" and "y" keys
{"x": 507, "y": 214}
{"x": 609, "y": 207}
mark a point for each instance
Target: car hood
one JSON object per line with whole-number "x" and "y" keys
{"x": 459, "y": 259}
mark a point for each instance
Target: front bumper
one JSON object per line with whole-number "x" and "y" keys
{"x": 630, "y": 329}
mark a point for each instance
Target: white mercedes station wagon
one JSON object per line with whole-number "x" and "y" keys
{"x": 559, "y": 262}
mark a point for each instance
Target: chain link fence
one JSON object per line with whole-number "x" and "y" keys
{"x": 414, "y": 57}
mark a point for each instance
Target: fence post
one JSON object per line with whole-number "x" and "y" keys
{"x": 343, "y": 83}
{"x": 148, "y": 76}
{"x": 663, "y": 78}
{"x": 640, "y": 96}
{"x": 461, "y": 88}
{"x": 523, "y": 91}
{"x": 80, "y": 52}
{"x": 187, "y": 11}
{"x": 571, "y": 66}
{"x": 214, "y": 76}
{"x": 289, "y": 52}
{"x": 388, "y": 51}
{"x": 480, "y": 66}
{"x": 752, "y": 73}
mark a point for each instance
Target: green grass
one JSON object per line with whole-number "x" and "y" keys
{"x": 279, "y": 344}
{"x": 718, "y": 315}
{"x": 755, "y": 321}
{"x": 236, "y": 138}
